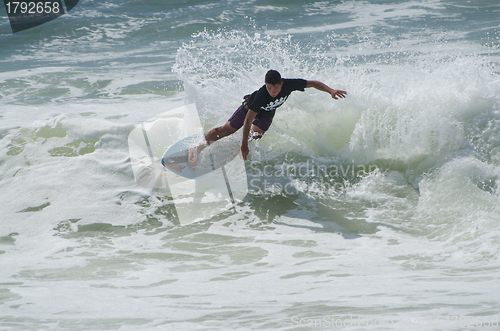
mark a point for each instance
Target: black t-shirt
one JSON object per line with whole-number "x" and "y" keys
{"x": 265, "y": 106}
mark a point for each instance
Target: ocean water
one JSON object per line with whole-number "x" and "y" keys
{"x": 380, "y": 211}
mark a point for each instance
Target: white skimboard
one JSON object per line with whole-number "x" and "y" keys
{"x": 198, "y": 194}
{"x": 211, "y": 158}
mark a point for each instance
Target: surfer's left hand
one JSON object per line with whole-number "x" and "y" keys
{"x": 336, "y": 94}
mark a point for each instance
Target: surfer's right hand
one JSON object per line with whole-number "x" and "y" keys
{"x": 244, "y": 151}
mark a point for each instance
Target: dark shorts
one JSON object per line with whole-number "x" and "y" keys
{"x": 236, "y": 121}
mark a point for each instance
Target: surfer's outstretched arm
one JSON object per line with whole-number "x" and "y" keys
{"x": 325, "y": 88}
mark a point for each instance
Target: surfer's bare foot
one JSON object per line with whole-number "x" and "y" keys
{"x": 193, "y": 152}
{"x": 176, "y": 167}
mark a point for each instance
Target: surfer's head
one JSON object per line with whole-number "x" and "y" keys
{"x": 273, "y": 83}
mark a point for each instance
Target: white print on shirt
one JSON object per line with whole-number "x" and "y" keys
{"x": 275, "y": 104}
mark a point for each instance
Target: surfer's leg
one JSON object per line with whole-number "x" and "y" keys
{"x": 256, "y": 132}
{"x": 260, "y": 126}
{"x": 234, "y": 123}
{"x": 220, "y": 132}
{"x": 212, "y": 136}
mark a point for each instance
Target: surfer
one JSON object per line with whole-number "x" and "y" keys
{"x": 256, "y": 113}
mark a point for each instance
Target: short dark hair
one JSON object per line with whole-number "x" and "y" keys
{"x": 273, "y": 77}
